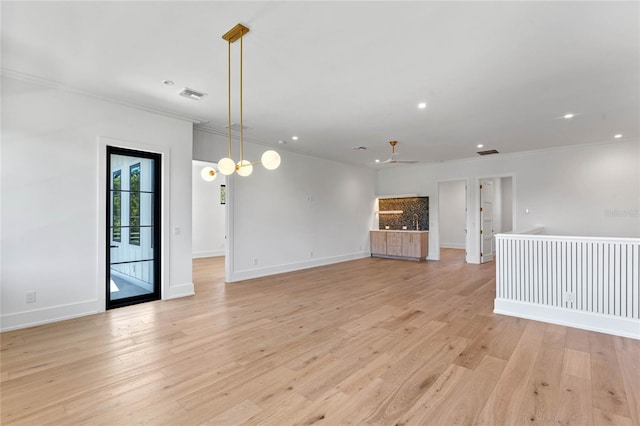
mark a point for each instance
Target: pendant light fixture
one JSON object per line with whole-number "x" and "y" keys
{"x": 270, "y": 159}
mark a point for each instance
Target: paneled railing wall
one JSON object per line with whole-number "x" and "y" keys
{"x": 590, "y": 283}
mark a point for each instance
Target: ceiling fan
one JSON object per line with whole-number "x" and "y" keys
{"x": 394, "y": 156}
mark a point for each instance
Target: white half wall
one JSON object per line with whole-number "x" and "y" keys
{"x": 309, "y": 212}
{"x": 53, "y": 181}
{"x": 208, "y": 231}
{"x": 591, "y": 190}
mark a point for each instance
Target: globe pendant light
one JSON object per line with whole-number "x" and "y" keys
{"x": 244, "y": 168}
{"x": 270, "y": 159}
{"x": 226, "y": 166}
{"x": 208, "y": 174}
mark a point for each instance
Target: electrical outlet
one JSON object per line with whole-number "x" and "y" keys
{"x": 31, "y": 297}
{"x": 310, "y": 254}
{"x": 255, "y": 260}
{"x": 569, "y": 297}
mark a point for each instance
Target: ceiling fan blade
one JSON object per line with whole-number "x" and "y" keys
{"x": 394, "y": 156}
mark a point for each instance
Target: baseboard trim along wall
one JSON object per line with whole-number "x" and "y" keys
{"x": 180, "y": 290}
{"x": 207, "y": 253}
{"x": 47, "y": 315}
{"x": 453, "y": 245}
{"x": 609, "y": 324}
{"x": 64, "y": 312}
{"x": 296, "y": 266}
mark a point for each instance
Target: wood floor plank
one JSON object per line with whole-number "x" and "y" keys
{"x": 504, "y": 402}
{"x": 574, "y": 401}
{"x": 466, "y": 403}
{"x": 629, "y": 362}
{"x": 370, "y": 341}
{"x": 541, "y": 398}
{"x": 608, "y": 389}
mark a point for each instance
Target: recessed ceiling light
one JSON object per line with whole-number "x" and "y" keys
{"x": 480, "y": 145}
{"x": 568, "y": 116}
{"x": 295, "y": 138}
{"x": 618, "y": 136}
{"x": 377, "y": 161}
{"x": 422, "y": 105}
{"x": 168, "y": 82}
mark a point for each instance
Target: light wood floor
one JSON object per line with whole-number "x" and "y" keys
{"x": 372, "y": 341}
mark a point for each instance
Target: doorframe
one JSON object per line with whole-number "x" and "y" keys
{"x": 467, "y": 220}
{"x": 165, "y": 219}
{"x": 157, "y": 229}
{"x": 477, "y": 180}
{"x": 204, "y": 163}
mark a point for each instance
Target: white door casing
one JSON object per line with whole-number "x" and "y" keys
{"x": 486, "y": 221}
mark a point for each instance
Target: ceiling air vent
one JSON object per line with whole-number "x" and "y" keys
{"x": 489, "y": 152}
{"x": 359, "y": 148}
{"x": 235, "y": 126}
{"x": 192, "y": 94}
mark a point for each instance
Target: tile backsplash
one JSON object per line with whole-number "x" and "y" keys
{"x": 410, "y": 206}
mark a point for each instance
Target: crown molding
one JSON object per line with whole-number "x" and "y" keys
{"x": 20, "y": 76}
{"x": 515, "y": 154}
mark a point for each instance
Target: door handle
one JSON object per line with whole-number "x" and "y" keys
{"x": 112, "y": 246}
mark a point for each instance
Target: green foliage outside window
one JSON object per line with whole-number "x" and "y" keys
{"x": 117, "y": 206}
{"x": 134, "y": 204}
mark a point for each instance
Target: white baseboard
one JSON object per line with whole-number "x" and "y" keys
{"x": 207, "y": 253}
{"x": 180, "y": 290}
{"x": 453, "y": 245}
{"x": 48, "y": 315}
{"x": 473, "y": 259}
{"x": 290, "y": 267}
{"x": 571, "y": 318}
{"x": 74, "y": 310}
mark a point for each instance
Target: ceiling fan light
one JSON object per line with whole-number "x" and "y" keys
{"x": 270, "y": 160}
{"x": 208, "y": 174}
{"x": 226, "y": 166}
{"x": 244, "y": 167}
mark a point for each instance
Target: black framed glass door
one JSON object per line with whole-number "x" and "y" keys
{"x": 133, "y": 227}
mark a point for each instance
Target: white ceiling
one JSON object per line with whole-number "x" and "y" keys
{"x": 344, "y": 74}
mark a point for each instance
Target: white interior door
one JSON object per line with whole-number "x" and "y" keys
{"x": 486, "y": 221}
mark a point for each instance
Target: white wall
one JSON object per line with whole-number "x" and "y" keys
{"x": 208, "y": 231}
{"x": 53, "y": 182}
{"x": 453, "y": 216}
{"x": 589, "y": 190}
{"x": 308, "y": 212}
{"x": 507, "y": 204}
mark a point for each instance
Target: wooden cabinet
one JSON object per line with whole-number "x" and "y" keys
{"x": 414, "y": 244}
{"x": 394, "y": 243}
{"x": 378, "y": 242}
{"x": 400, "y": 244}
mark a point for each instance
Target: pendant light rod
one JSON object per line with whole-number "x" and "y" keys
{"x": 241, "y": 126}
{"x": 229, "y": 93}
{"x": 270, "y": 159}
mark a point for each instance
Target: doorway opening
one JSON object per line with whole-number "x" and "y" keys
{"x": 452, "y": 214}
{"x": 133, "y": 227}
{"x": 496, "y": 212}
{"x": 209, "y": 201}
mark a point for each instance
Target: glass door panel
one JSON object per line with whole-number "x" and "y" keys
{"x": 133, "y": 207}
